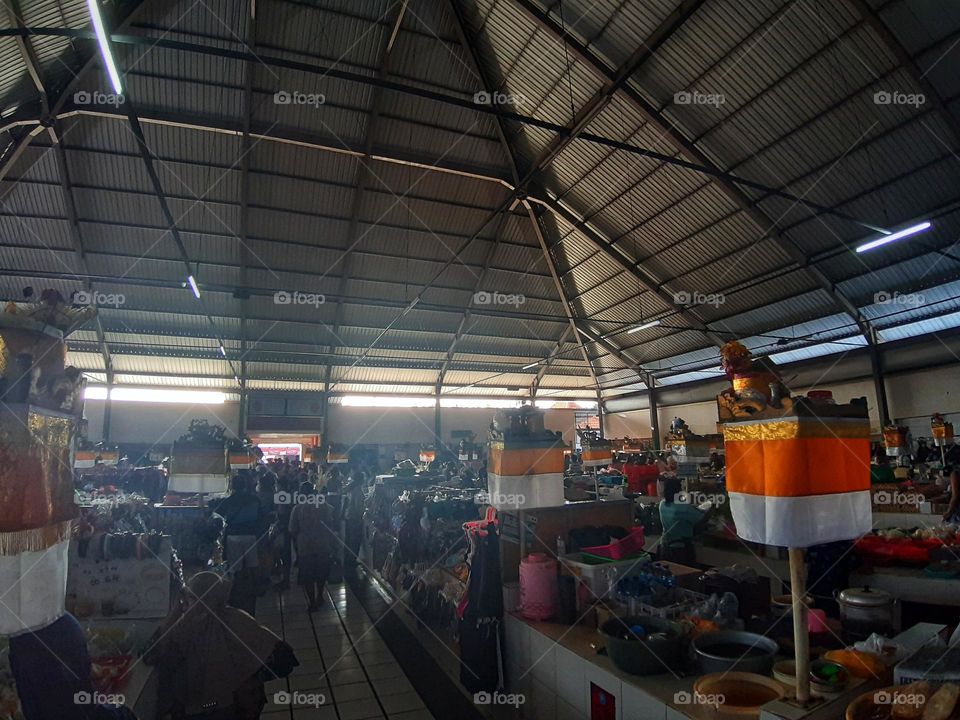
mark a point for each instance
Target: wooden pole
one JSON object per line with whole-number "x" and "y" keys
{"x": 801, "y": 636}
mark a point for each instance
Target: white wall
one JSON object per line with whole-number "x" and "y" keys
{"x": 914, "y": 395}
{"x": 161, "y": 423}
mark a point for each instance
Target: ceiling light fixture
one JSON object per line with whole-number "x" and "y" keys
{"x": 193, "y": 286}
{"x": 105, "y": 46}
{"x": 884, "y": 239}
{"x": 638, "y": 328}
{"x": 531, "y": 365}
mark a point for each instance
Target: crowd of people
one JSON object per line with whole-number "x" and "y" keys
{"x": 212, "y": 655}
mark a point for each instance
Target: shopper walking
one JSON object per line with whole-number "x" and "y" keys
{"x": 51, "y": 669}
{"x": 311, "y": 528}
{"x": 213, "y": 658}
{"x": 244, "y": 526}
{"x": 353, "y": 507}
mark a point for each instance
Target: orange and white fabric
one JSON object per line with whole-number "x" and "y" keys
{"x": 799, "y": 481}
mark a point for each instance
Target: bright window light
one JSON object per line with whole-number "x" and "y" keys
{"x": 104, "y": 46}
{"x": 884, "y": 239}
{"x": 566, "y": 404}
{"x": 193, "y": 286}
{"x": 156, "y": 395}
{"x": 482, "y": 403}
{"x": 386, "y": 402}
{"x": 638, "y": 328}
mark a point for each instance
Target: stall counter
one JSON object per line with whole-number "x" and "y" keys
{"x": 555, "y": 666}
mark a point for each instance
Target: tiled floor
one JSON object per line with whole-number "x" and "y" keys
{"x": 346, "y": 671}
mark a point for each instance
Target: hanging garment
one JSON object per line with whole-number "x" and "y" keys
{"x": 481, "y": 617}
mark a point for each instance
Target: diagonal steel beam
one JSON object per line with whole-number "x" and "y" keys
{"x": 364, "y": 174}
{"x": 691, "y": 153}
{"x": 540, "y": 232}
{"x": 245, "y": 149}
{"x": 906, "y": 61}
{"x": 520, "y": 179}
{"x": 25, "y": 46}
{"x": 642, "y": 275}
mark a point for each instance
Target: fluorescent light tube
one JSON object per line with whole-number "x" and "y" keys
{"x": 104, "y": 46}
{"x": 884, "y": 239}
{"x": 531, "y": 365}
{"x": 193, "y": 286}
{"x": 223, "y": 351}
{"x": 638, "y": 328}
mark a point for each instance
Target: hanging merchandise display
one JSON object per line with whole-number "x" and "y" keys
{"x": 942, "y": 430}
{"x": 42, "y": 404}
{"x": 198, "y": 462}
{"x": 481, "y": 611}
{"x": 525, "y": 469}
{"x": 777, "y": 448}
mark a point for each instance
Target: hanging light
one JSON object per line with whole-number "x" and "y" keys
{"x": 193, "y": 286}
{"x": 105, "y": 46}
{"x": 638, "y": 328}
{"x": 900, "y": 234}
{"x": 531, "y": 365}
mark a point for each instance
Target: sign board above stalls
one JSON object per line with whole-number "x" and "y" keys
{"x": 273, "y": 411}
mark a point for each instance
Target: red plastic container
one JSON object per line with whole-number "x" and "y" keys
{"x": 619, "y": 549}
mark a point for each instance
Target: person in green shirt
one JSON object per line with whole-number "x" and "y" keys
{"x": 882, "y": 472}
{"x": 680, "y": 522}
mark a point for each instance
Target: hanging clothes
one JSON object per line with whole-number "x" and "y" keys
{"x": 481, "y": 616}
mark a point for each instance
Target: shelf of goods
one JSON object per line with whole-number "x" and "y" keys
{"x": 415, "y": 544}
{"x": 525, "y": 469}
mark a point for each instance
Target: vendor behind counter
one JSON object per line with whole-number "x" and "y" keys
{"x": 680, "y": 521}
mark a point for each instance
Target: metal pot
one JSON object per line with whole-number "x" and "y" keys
{"x": 866, "y": 609}
{"x": 727, "y": 650}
